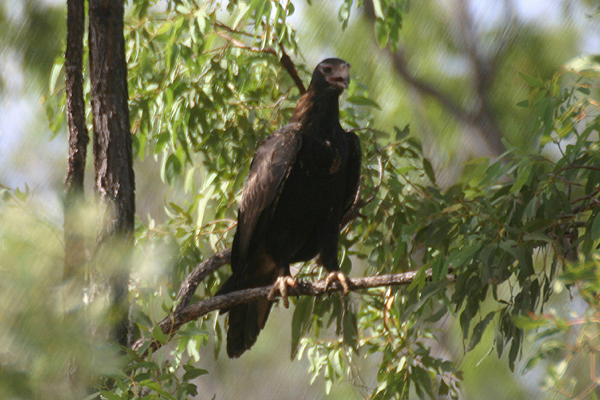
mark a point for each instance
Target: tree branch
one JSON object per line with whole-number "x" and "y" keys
{"x": 481, "y": 118}
{"x": 205, "y": 268}
{"x": 171, "y": 324}
{"x": 285, "y": 60}
{"x": 484, "y": 71}
{"x": 290, "y": 67}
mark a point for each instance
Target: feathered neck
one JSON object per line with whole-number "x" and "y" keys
{"x": 318, "y": 111}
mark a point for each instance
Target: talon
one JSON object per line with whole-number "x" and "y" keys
{"x": 341, "y": 277}
{"x": 281, "y": 285}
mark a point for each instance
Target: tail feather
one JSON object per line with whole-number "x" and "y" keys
{"x": 228, "y": 287}
{"x": 245, "y": 323}
{"x": 246, "y": 320}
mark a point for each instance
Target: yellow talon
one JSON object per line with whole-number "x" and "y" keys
{"x": 341, "y": 277}
{"x": 281, "y": 285}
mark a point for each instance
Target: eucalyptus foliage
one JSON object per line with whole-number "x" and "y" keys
{"x": 207, "y": 85}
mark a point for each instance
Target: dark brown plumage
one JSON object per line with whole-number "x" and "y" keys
{"x": 303, "y": 179}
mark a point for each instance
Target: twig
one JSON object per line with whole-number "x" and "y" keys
{"x": 590, "y": 167}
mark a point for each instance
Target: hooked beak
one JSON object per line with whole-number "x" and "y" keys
{"x": 341, "y": 77}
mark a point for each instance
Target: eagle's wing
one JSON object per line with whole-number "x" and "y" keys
{"x": 269, "y": 170}
{"x": 352, "y": 172}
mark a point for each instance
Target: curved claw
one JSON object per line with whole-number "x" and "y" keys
{"x": 281, "y": 285}
{"x": 341, "y": 277}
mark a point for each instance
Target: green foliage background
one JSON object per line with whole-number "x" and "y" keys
{"x": 518, "y": 232}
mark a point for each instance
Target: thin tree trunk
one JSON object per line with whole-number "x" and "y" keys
{"x": 75, "y": 249}
{"x": 75, "y": 254}
{"x": 113, "y": 163}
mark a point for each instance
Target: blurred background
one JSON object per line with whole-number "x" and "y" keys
{"x": 455, "y": 80}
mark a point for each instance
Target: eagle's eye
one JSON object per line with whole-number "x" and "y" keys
{"x": 326, "y": 70}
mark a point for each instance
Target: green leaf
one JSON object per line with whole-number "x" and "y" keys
{"x": 161, "y": 142}
{"x": 527, "y": 323}
{"x": 382, "y": 32}
{"x": 111, "y": 396}
{"x": 142, "y": 377}
{"x": 350, "y": 327}
{"x": 462, "y": 257}
{"x": 344, "y": 13}
{"x": 532, "y": 362}
{"x": 159, "y": 335}
{"x": 362, "y": 101}
{"x": 531, "y": 81}
{"x": 480, "y": 329}
{"x": 301, "y": 321}
{"x": 171, "y": 169}
{"x": 514, "y": 350}
{"x": 418, "y": 280}
{"x": 192, "y": 372}
{"x": 595, "y": 233}
{"x": 56, "y": 70}
{"x": 429, "y": 170}
{"x": 465, "y": 319}
{"x": 400, "y": 134}
{"x": 164, "y": 28}
{"x": 523, "y": 174}
{"x": 538, "y": 236}
{"x": 189, "y": 180}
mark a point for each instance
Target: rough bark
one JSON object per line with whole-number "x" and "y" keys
{"x": 75, "y": 254}
{"x": 113, "y": 162}
{"x": 75, "y": 247}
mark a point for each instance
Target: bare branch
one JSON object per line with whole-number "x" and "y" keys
{"x": 401, "y": 66}
{"x": 171, "y": 324}
{"x": 484, "y": 70}
{"x": 290, "y": 67}
{"x": 189, "y": 285}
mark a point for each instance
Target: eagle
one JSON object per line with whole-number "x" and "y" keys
{"x": 303, "y": 179}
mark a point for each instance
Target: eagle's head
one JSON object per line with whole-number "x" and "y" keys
{"x": 332, "y": 74}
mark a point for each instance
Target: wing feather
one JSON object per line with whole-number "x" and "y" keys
{"x": 353, "y": 174}
{"x": 269, "y": 170}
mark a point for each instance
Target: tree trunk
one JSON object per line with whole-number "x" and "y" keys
{"x": 75, "y": 254}
{"x": 113, "y": 164}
